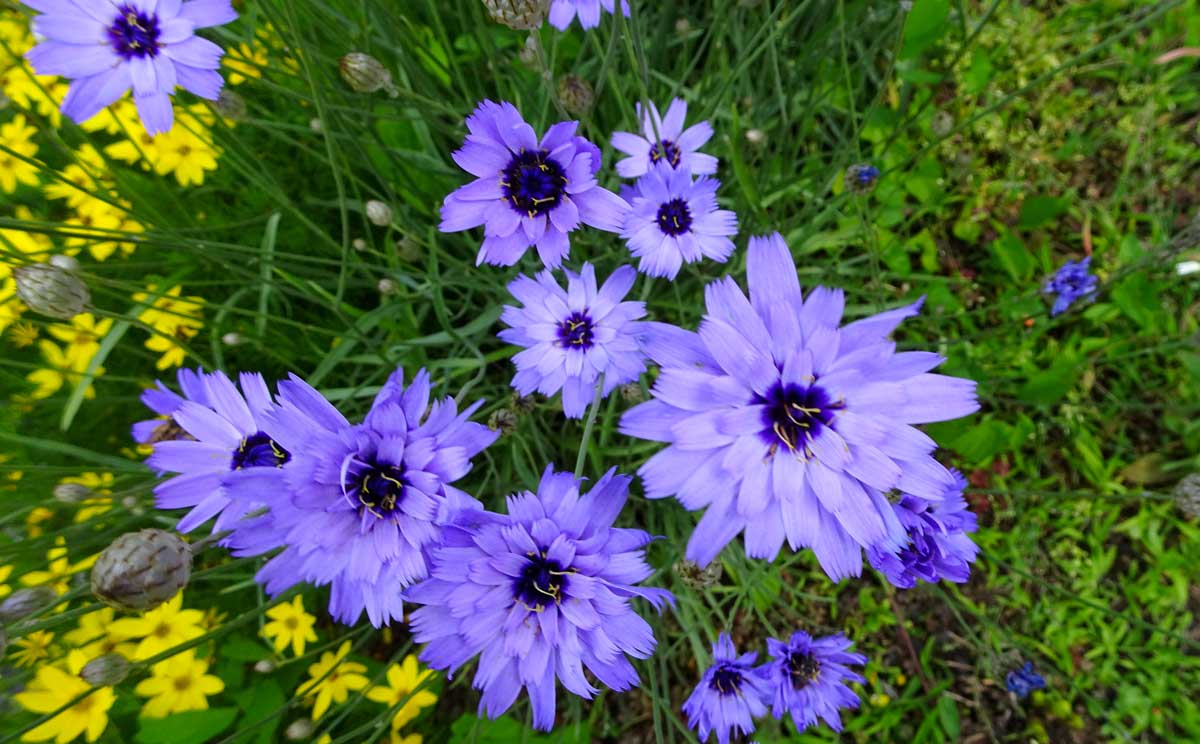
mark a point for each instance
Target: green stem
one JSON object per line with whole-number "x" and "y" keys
{"x": 587, "y": 427}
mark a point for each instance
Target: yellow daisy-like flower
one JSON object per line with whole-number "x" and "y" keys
{"x": 35, "y": 246}
{"x": 82, "y": 336}
{"x": 95, "y": 637}
{"x": 62, "y": 367}
{"x": 23, "y": 334}
{"x": 175, "y": 319}
{"x": 398, "y": 738}
{"x": 58, "y": 573}
{"x": 53, "y": 688}
{"x": 14, "y": 33}
{"x": 79, "y": 181}
{"x": 100, "y": 484}
{"x": 178, "y": 684}
{"x": 18, "y": 136}
{"x": 43, "y": 93}
{"x": 34, "y": 647}
{"x": 119, "y": 118}
{"x": 164, "y": 627}
{"x": 245, "y": 62}
{"x": 185, "y": 154}
{"x": 290, "y": 624}
{"x": 402, "y": 680}
{"x": 5, "y": 589}
{"x": 340, "y": 678}
{"x": 33, "y": 522}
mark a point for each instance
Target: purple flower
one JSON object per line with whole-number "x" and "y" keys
{"x": 226, "y": 427}
{"x": 809, "y": 678}
{"x": 938, "y": 546}
{"x": 562, "y": 12}
{"x": 674, "y": 220}
{"x": 109, "y": 46}
{"x": 786, "y": 426}
{"x": 165, "y": 402}
{"x": 358, "y": 505}
{"x": 731, "y": 694}
{"x": 1071, "y": 282}
{"x": 540, "y": 594}
{"x": 665, "y": 140}
{"x": 1023, "y": 681}
{"x": 574, "y": 337}
{"x": 526, "y": 192}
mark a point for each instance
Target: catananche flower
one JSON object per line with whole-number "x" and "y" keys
{"x": 665, "y": 140}
{"x": 526, "y": 192}
{"x": 573, "y": 337}
{"x": 787, "y": 426}
{"x": 541, "y": 594}
{"x": 109, "y": 46}
{"x": 809, "y": 676}
{"x": 225, "y": 436}
{"x": 731, "y": 694}
{"x": 165, "y": 402}
{"x": 674, "y": 220}
{"x": 562, "y": 12}
{"x": 357, "y": 506}
{"x": 938, "y": 545}
{"x": 1024, "y": 680}
{"x": 1071, "y": 282}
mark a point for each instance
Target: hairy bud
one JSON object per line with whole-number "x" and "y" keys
{"x": 52, "y": 290}
{"x": 24, "y": 602}
{"x": 105, "y": 671}
{"x": 365, "y": 74}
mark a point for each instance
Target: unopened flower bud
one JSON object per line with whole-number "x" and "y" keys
{"x": 942, "y": 123}
{"x": 316, "y": 125}
{"x": 576, "y": 95}
{"x": 233, "y": 339}
{"x": 299, "y": 730}
{"x": 64, "y": 262}
{"x": 365, "y": 74}
{"x": 73, "y": 493}
{"x": 503, "y": 421}
{"x": 51, "y": 290}
{"x": 756, "y": 136}
{"x": 529, "y": 53}
{"x": 25, "y": 602}
{"x": 141, "y": 570}
{"x": 407, "y": 249}
{"x": 358, "y": 244}
{"x": 230, "y": 105}
{"x": 632, "y": 392}
{"x": 105, "y": 671}
{"x": 388, "y": 287}
{"x": 262, "y": 666}
{"x": 861, "y": 178}
{"x": 523, "y": 15}
{"x": 1187, "y": 495}
{"x": 682, "y": 26}
{"x": 379, "y": 213}
{"x": 699, "y": 578}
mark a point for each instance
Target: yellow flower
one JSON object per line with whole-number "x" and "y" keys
{"x": 162, "y": 628}
{"x": 79, "y": 180}
{"x": 245, "y": 62}
{"x": 82, "y": 336}
{"x": 402, "y": 680}
{"x": 28, "y": 91}
{"x": 35, "y": 246}
{"x": 332, "y": 680}
{"x": 53, "y": 688}
{"x": 5, "y": 572}
{"x": 34, "y": 647}
{"x": 178, "y": 684}
{"x": 18, "y": 136}
{"x": 290, "y": 624}
{"x": 175, "y": 319}
{"x": 95, "y": 637}
{"x": 14, "y": 34}
{"x": 184, "y": 153}
{"x": 33, "y": 522}
{"x": 101, "y": 226}
{"x": 58, "y": 573}
{"x": 23, "y": 334}
{"x": 119, "y": 118}
{"x": 61, "y": 368}
{"x": 99, "y": 504}
{"x": 397, "y": 738}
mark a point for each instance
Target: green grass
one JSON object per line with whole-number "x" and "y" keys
{"x": 1012, "y": 136}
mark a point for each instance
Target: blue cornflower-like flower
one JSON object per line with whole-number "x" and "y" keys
{"x": 787, "y": 426}
{"x": 227, "y": 437}
{"x": 358, "y": 505}
{"x": 809, "y": 677}
{"x": 861, "y": 177}
{"x": 541, "y": 595}
{"x": 674, "y": 220}
{"x": 664, "y": 140}
{"x": 573, "y": 337}
{"x": 1023, "y": 681}
{"x": 527, "y": 192}
{"x": 731, "y": 694}
{"x": 110, "y": 46}
{"x": 165, "y": 402}
{"x": 1071, "y": 282}
{"x": 938, "y": 547}
{"x": 562, "y": 12}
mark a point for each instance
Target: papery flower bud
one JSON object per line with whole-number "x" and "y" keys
{"x": 51, "y": 290}
{"x": 861, "y": 178}
{"x": 64, "y": 262}
{"x": 105, "y": 671}
{"x": 523, "y": 15}
{"x": 233, "y": 339}
{"x": 1187, "y": 495}
{"x": 230, "y": 105}
{"x": 141, "y": 570}
{"x": 388, "y": 287}
{"x": 576, "y": 95}
{"x": 503, "y": 421}
{"x": 263, "y": 666}
{"x": 365, "y": 74}
{"x": 24, "y": 602}
{"x": 632, "y": 392}
{"x": 358, "y": 244}
{"x": 699, "y": 578}
{"x": 299, "y": 730}
{"x": 379, "y": 213}
{"x": 73, "y": 493}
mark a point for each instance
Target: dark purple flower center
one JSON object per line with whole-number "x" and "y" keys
{"x": 675, "y": 217}
{"x": 795, "y": 416}
{"x": 134, "y": 33}
{"x": 727, "y": 680}
{"x": 666, "y": 150}
{"x": 380, "y": 489}
{"x": 802, "y": 668}
{"x": 259, "y": 450}
{"x": 576, "y": 332}
{"x": 541, "y": 582}
{"x": 533, "y": 183}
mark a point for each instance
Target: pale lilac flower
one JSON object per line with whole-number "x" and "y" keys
{"x": 562, "y": 12}
{"x": 664, "y": 139}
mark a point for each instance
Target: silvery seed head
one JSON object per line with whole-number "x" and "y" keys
{"x": 51, "y": 290}
{"x": 105, "y": 671}
{"x": 523, "y": 15}
{"x": 365, "y": 74}
{"x": 141, "y": 570}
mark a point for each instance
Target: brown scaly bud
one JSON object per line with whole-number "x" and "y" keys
{"x": 52, "y": 289}
{"x": 523, "y": 15}
{"x": 24, "y": 602}
{"x": 141, "y": 570}
{"x": 576, "y": 95}
{"x": 503, "y": 421}
{"x": 365, "y": 74}
{"x": 699, "y": 578}
{"x": 105, "y": 671}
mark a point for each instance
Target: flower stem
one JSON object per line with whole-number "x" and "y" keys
{"x": 587, "y": 427}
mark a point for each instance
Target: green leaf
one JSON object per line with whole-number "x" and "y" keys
{"x": 193, "y": 727}
{"x": 261, "y": 705}
{"x": 240, "y": 648}
{"x": 948, "y": 715}
{"x": 978, "y": 73}
{"x": 982, "y": 442}
{"x": 1139, "y": 299}
{"x": 1049, "y": 385}
{"x": 504, "y": 730}
{"x": 1040, "y": 210}
{"x": 926, "y": 23}
{"x": 1013, "y": 256}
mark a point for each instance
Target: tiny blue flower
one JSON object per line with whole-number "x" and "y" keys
{"x": 1023, "y": 681}
{"x": 1071, "y": 282}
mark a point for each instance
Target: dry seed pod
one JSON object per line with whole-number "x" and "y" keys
{"x": 365, "y": 74}
{"x": 141, "y": 570}
{"x": 523, "y": 15}
{"x": 576, "y": 95}
{"x": 73, "y": 493}
{"x": 51, "y": 290}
